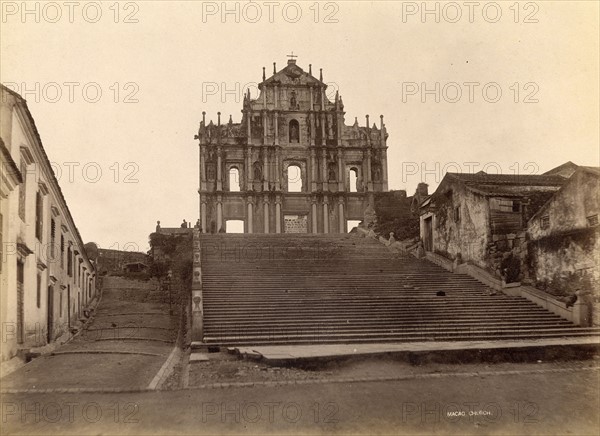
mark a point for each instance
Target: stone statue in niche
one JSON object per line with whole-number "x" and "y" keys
{"x": 376, "y": 173}
{"x": 210, "y": 170}
{"x": 331, "y": 176}
{"x": 293, "y": 102}
{"x": 257, "y": 171}
{"x": 294, "y": 134}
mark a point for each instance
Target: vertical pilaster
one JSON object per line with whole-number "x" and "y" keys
{"x": 325, "y": 214}
{"x": 264, "y": 119}
{"x": 384, "y": 169}
{"x": 250, "y": 169}
{"x": 277, "y": 169}
{"x": 278, "y": 214}
{"x": 341, "y": 218}
{"x": 249, "y": 126}
{"x": 202, "y": 167}
{"x": 314, "y": 217}
{"x": 250, "y": 216}
{"x": 266, "y": 176}
{"x": 266, "y": 214}
{"x": 313, "y": 170}
{"x": 324, "y": 169}
{"x": 341, "y": 175}
{"x": 369, "y": 175}
{"x": 276, "y": 119}
{"x": 219, "y": 213}
{"x": 203, "y": 214}
{"x": 219, "y": 170}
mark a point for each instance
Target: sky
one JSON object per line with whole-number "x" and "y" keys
{"x": 117, "y": 89}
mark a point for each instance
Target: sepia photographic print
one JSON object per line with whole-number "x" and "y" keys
{"x": 299, "y": 217}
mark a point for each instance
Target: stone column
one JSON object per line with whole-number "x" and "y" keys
{"x": 342, "y": 218}
{"x": 323, "y": 136}
{"x": 266, "y": 214}
{"x": 276, "y": 116}
{"x": 278, "y": 214}
{"x": 312, "y": 122}
{"x": 341, "y": 175}
{"x": 203, "y": 214}
{"x": 369, "y": 178}
{"x": 324, "y": 169}
{"x": 249, "y": 219}
{"x": 250, "y": 170}
{"x": 325, "y": 214}
{"x": 249, "y": 126}
{"x": 219, "y": 213}
{"x": 384, "y": 170}
{"x": 202, "y": 167}
{"x": 315, "y": 228}
{"x": 277, "y": 170}
{"x": 264, "y": 118}
{"x": 313, "y": 170}
{"x": 266, "y": 176}
{"x": 219, "y": 170}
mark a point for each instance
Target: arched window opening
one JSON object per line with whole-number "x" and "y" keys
{"x": 352, "y": 224}
{"x": 234, "y": 179}
{"x": 294, "y": 179}
{"x": 353, "y": 179}
{"x": 294, "y": 131}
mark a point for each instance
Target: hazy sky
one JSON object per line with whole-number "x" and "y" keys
{"x": 162, "y": 63}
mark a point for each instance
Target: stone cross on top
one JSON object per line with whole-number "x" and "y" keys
{"x": 292, "y": 56}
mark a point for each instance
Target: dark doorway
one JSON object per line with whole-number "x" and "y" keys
{"x": 428, "y": 234}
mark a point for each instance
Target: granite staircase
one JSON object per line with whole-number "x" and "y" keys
{"x": 307, "y": 289}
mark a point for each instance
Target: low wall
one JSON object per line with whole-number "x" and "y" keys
{"x": 578, "y": 314}
{"x": 439, "y": 260}
{"x": 197, "y": 300}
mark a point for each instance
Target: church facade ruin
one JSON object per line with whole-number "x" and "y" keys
{"x": 292, "y": 165}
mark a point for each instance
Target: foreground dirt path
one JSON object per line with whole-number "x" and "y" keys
{"x": 521, "y": 402}
{"x": 125, "y": 345}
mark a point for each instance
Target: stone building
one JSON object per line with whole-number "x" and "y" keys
{"x": 118, "y": 261}
{"x": 483, "y": 216}
{"x": 46, "y": 276}
{"x": 292, "y": 165}
{"x": 564, "y": 237}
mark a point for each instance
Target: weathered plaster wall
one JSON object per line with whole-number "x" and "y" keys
{"x": 469, "y": 234}
{"x": 565, "y": 256}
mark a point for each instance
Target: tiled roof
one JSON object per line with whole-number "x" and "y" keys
{"x": 482, "y": 178}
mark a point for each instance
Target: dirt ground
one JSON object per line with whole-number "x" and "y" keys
{"x": 223, "y": 367}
